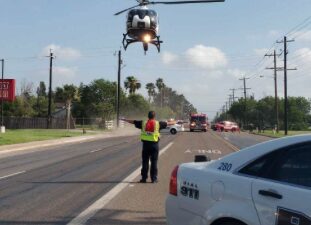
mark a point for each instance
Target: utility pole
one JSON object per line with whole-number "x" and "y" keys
{"x": 50, "y": 90}
{"x": 2, "y": 73}
{"x": 230, "y": 101}
{"x": 233, "y": 96}
{"x": 245, "y": 89}
{"x": 119, "y": 88}
{"x": 276, "y": 107}
{"x": 285, "y": 41}
{"x": 226, "y": 110}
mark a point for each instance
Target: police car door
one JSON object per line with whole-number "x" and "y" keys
{"x": 282, "y": 196}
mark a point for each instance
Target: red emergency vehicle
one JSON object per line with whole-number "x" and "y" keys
{"x": 198, "y": 121}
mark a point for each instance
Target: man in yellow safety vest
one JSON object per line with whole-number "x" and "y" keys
{"x": 150, "y": 136}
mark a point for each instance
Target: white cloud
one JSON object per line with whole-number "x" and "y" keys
{"x": 64, "y": 53}
{"x": 304, "y": 55}
{"x": 198, "y": 57}
{"x": 303, "y": 36}
{"x": 206, "y": 57}
{"x": 237, "y": 73}
{"x": 261, "y": 51}
{"x": 274, "y": 33}
{"x": 168, "y": 58}
{"x": 64, "y": 72}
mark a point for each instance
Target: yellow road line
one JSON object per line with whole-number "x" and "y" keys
{"x": 226, "y": 142}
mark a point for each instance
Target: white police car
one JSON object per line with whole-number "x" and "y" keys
{"x": 266, "y": 184}
{"x": 173, "y": 129}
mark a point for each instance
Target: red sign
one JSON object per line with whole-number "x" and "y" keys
{"x": 7, "y": 89}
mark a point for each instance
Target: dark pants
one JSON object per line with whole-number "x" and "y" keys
{"x": 150, "y": 152}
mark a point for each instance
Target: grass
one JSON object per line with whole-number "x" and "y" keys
{"x": 28, "y": 135}
{"x": 281, "y": 133}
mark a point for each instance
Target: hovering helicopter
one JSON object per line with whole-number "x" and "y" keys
{"x": 142, "y": 24}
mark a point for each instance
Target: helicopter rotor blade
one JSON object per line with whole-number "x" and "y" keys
{"x": 186, "y": 2}
{"x": 118, "y": 13}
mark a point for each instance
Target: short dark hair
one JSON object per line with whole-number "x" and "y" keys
{"x": 151, "y": 115}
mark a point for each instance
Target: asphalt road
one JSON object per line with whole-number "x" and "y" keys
{"x": 243, "y": 139}
{"x": 54, "y": 185}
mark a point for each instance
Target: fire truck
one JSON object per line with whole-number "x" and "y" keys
{"x": 198, "y": 121}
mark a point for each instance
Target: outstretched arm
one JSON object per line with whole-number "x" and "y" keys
{"x": 128, "y": 121}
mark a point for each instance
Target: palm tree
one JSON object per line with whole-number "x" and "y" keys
{"x": 151, "y": 90}
{"x": 132, "y": 84}
{"x": 160, "y": 85}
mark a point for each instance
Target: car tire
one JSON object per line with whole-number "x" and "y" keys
{"x": 173, "y": 131}
{"x": 204, "y": 130}
{"x": 191, "y": 130}
{"x": 222, "y": 129}
{"x": 234, "y": 222}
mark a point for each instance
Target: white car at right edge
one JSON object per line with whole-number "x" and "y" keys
{"x": 265, "y": 184}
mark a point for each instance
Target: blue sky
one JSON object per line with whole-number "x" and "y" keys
{"x": 206, "y": 49}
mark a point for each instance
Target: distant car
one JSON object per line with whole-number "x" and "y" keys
{"x": 226, "y": 126}
{"x": 213, "y": 127}
{"x": 173, "y": 129}
{"x": 266, "y": 184}
{"x": 235, "y": 127}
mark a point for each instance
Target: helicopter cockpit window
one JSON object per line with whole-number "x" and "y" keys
{"x": 131, "y": 14}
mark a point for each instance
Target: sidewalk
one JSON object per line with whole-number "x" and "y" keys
{"x": 47, "y": 143}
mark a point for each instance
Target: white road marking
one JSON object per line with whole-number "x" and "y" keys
{"x": 104, "y": 148}
{"x": 13, "y": 174}
{"x": 96, "y": 150}
{"x": 83, "y": 217}
{"x": 203, "y": 151}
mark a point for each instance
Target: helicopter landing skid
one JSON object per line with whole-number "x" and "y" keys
{"x": 127, "y": 41}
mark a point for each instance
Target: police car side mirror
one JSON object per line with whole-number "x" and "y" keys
{"x": 201, "y": 158}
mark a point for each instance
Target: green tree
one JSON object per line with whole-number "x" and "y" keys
{"x": 298, "y": 111}
{"x": 41, "y": 89}
{"x": 132, "y": 84}
{"x": 160, "y": 85}
{"x": 66, "y": 94}
{"x": 136, "y": 107}
{"x": 98, "y": 99}
{"x": 151, "y": 90}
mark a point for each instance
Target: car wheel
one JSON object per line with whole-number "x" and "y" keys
{"x": 173, "y": 131}
{"x": 222, "y": 129}
{"x": 191, "y": 130}
{"x": 204, "y": 130}
{"x": 234, "y": 222}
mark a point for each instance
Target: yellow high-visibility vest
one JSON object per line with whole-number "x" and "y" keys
{"x": 150, "y": 136}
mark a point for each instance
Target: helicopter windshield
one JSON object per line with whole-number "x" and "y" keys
{"x": 142, "y": 13}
